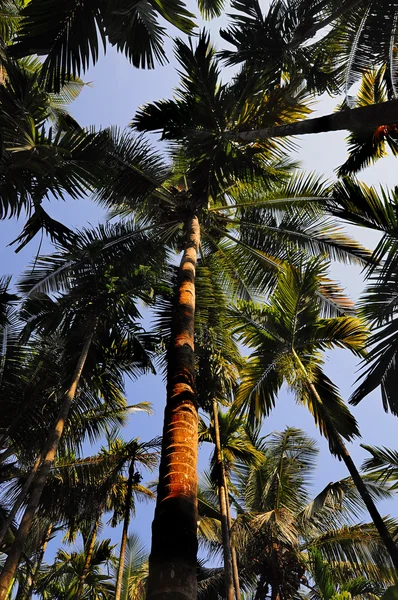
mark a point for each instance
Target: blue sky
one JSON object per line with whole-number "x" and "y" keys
{"x": 116, "y": 91}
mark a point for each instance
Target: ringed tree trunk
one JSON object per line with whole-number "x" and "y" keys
{"x": 363, "y": 119}
{"x": 377, "y": 519}
{"x": 90, "y": 550}
{"x": 172, "y": 562}
{"x": 126, "y": 522}
{"x": 223, "y": 499}
{"x": 37, "y": 486}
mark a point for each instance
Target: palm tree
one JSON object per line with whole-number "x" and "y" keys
{"x": 69, "y": 47}
{"x": 61, "y": 579}
{"x": 45, "y": 152}
{"x": 279, "y": 526}
{"x": 210, "y": 200}
{"x": 232, "y": 445}
{"x": 367, "y": 147}
{"x": 325, "y": 586}
{"x": 135, "y": 570}
{"x": 98, "y": 301}
{"x": 288, "y": 336}
{"x": 274, "y": 44}
{"x": 366, "y": 207}
{"x": 131, "y": 455}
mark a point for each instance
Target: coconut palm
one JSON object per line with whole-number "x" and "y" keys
{"x": 367, "y": 147}
{"x": 274, "y": 44}
{"x": 288, "y": 337}
{"x": 97, "y": 309}
{"x": 377, "y": 210}
{"x": 135, "y": 570}
{"x": 232, "y": 445}
{"x": 325, "y": 587}
{"x": 214, "y": 205}
{"x": 278, "y": 526}
{"x": 70, "y": 36}
{"x": 61, "y": 579}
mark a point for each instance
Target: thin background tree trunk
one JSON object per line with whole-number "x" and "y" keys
{"x": 126, "y": 522}
{"x": 172, "y": 562}
{"x": 43, "y": 548}
{"x": 90, "y": 550}
{"x": 356, "y": 477}
{"x": 37, "y": 487}
{"x": 222, "y": 494}
{"x": 234, "y": 557}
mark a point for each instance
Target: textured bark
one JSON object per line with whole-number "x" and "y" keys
{"x": 90, "y": 550}
{"x": 172, "y": 562}
{"x": 356, "y": 477}
{"x": 126, "y": 522}
{"x": 37, "y": 487}
{"x": 363, "y": 119}
{"x": 223, "y": 499}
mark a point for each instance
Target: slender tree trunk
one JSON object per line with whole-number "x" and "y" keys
{"x": 363, "y": 119}
{"x": 222, "y": 495}
{"x": 37, "y": 487}
{"x": 370, "y": 505}
{"x": 356, "y": 477}
{"x": 90, "y": 550}
{"x": 126, "y": 522}
{"x": 172, "y": 562}
{"x": 234, "y": 557}
{"x": 36, "y": 572}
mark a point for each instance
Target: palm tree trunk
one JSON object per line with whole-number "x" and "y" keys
{"x": 36, "y": 572}
{"x": 126, "y": 522}
{"x": 90, "y": 550}
{"x": 234, "y": 557}
{"x": 370, "y": 505}
{"x": 172, "y": 562}
{"x": 222, "y": 495}
{"x": 356, "y": 477}
{"x": 363, "y": 119}
{"x": 37, "y": 487}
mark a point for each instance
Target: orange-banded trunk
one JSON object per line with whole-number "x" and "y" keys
{"x": 37, "y": 486}
{"x": 172, "y": 563}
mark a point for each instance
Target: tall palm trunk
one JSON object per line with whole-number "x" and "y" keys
{"x": 222, "y": 495}
{"x": 37, "y": 487}
{"x": 36, "y": 572}
{"x": 362, "y": 119}
{"x": 89, "y": 555}
{"x": 172, "y": 562}
{"x": 356, "y": 477}
{"x": 126, "y": 522}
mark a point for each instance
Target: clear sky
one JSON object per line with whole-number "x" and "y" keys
{"x": 117, "y": 89}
